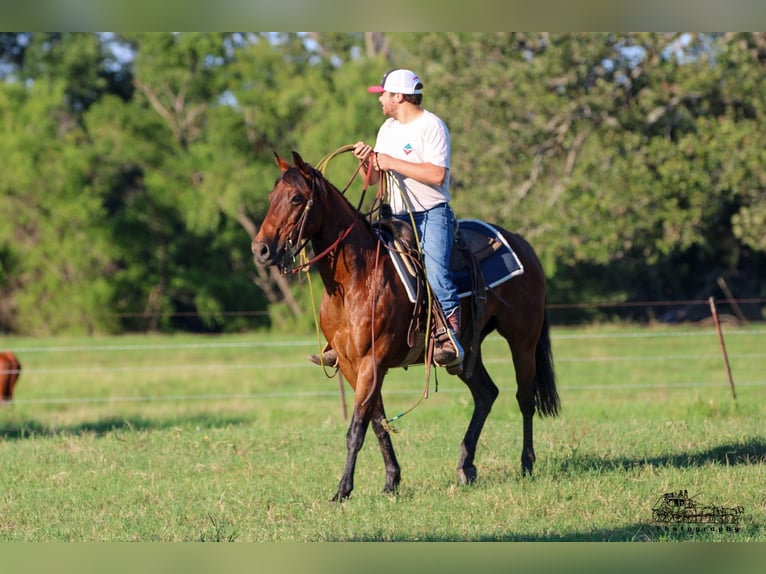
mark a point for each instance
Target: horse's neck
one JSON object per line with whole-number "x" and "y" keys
{"x": 353, "y": 253}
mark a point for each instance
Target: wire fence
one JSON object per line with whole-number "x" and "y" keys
{"x": 114, "y": 364}
{"x": 664, "y": 311}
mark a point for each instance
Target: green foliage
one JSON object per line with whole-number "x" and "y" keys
{"x": 138, "y": 166}
{"x": 284, "y": 322}
{"x": 54, "y": 241}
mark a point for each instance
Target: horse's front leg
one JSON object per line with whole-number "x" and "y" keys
{"x": 393, "y": 471}
{"x": 354, "y": 441}
{"x": 368, "y": 405}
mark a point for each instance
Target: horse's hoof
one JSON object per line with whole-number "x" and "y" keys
{"x": 391, "y": 486}
{"x": 527, "y": 462}
{"x": 338, "y": 499}
{"x": 467, "y": 475}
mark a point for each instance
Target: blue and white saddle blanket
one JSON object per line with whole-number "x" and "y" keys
{"x": 498, "y": 261}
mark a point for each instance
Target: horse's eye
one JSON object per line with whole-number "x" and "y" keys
{"x": 297, "y": 199}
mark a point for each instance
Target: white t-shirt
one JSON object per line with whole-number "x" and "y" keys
{"x": 425, "y": 139}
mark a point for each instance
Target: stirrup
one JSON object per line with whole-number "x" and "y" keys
{"x": 448, "y": 352}
{"x": 450, "y": 357}
{"x": 328, "y": 358}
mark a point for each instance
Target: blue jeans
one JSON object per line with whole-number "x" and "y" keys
{"x": 436, "y": 232}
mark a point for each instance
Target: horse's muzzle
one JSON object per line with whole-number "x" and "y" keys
{"x": 261, "y": 252}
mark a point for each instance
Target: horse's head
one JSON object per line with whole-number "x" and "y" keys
{"x": 290, "y": 220}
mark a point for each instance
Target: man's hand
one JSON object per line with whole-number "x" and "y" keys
{"x": 362, "y": 151}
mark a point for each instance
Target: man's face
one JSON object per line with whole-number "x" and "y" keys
{"x": 388, "y": 103}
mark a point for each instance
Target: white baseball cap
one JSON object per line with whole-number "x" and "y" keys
{"x": 398, "y": 82}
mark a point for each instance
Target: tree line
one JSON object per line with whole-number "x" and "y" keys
{"x": 137, "y": 166}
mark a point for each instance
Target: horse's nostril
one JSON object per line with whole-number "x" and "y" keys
{"x": 260, "y": 250}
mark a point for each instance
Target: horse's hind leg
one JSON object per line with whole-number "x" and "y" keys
{"x": 484, "y": 393}
{"x": 524, "y": 364}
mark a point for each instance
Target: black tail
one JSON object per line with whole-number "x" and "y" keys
{"x": 546, "y": 395}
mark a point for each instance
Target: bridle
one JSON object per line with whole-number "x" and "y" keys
{"x": 297, "y": 244}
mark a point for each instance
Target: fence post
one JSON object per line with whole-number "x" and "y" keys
{"x": 723, "y": 345}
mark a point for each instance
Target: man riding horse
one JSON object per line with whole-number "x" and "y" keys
{"x": 412, "y": 152}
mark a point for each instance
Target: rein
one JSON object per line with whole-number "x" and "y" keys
{"x": 324, "y": 253}
{"x": 322, "y": 166}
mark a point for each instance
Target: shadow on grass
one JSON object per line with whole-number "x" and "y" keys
{"x": 630, "y": 533}
{"x": 34, "y": 429}
{"x": 750, "y": 451}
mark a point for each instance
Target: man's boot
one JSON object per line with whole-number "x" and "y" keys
{"x": 447, "y": 349}
{"x": 328, "y": 358}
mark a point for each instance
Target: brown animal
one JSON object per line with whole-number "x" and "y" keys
{"x": 10, "y": 369}
{"x": 365, "y": 316}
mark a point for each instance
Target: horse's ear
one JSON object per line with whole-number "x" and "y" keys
{"x": 283, "y": 165}
{"x": 304, "y": 168}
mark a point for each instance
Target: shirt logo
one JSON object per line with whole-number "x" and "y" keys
{"x": 408, "y": 149}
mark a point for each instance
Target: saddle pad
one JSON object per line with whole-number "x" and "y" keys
{"x": 498, "y": 268}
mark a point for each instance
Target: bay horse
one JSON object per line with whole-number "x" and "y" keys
{"x": 365, "y": 315}
{"x": 10, "y": 369}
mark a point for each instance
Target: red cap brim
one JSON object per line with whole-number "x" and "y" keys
{"x": 376, "y": 89}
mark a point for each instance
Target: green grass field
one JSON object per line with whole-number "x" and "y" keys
{"x": 239, "y": 438}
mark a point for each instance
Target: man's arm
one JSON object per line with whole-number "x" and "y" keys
{"x": 427, "y": 173}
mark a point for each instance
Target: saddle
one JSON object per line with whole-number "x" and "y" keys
{"x": 475, "y": 241}
{"x": 478, "y": 249}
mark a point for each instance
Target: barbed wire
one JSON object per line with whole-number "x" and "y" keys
{"x": 301, "y": 394}
{"x": 556, "y": 333}
{"x": 305, "y": 364}
{"x": 550, "y": 306}
{"x": 671, "y": 303}
{"x": 41, "y": 372}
